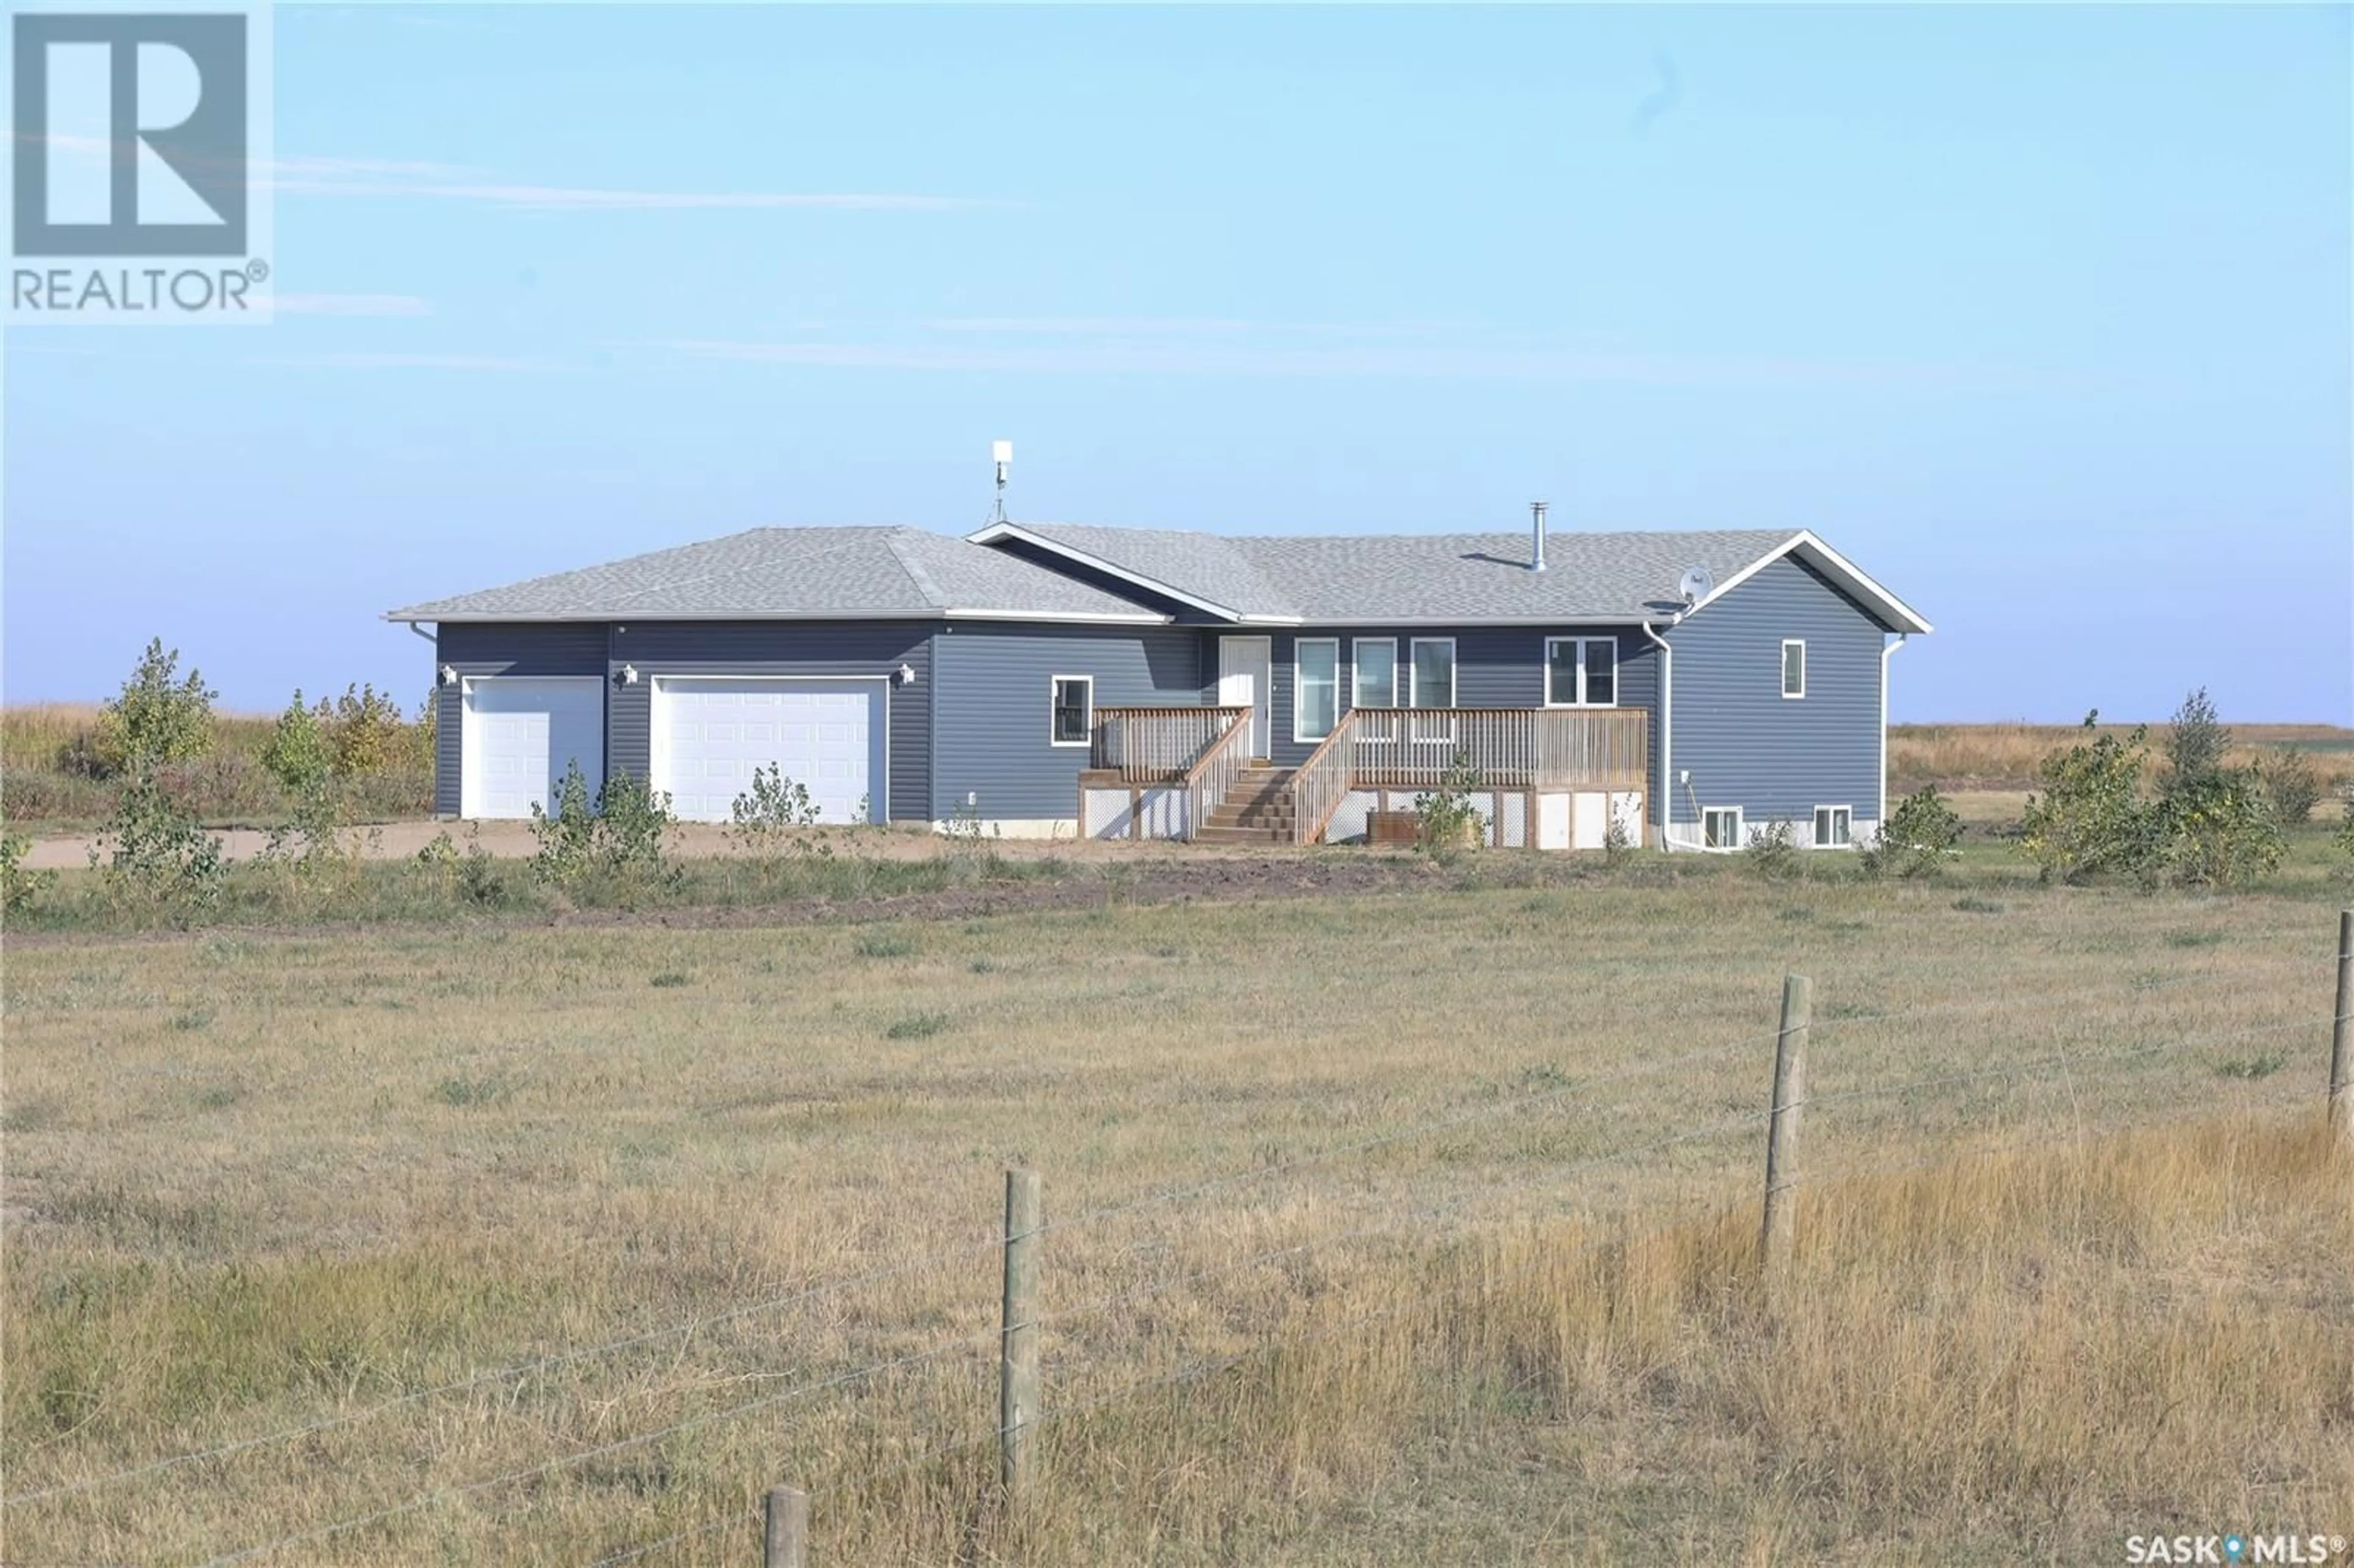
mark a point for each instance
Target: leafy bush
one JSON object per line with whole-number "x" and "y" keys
{"x": 2210, "y": 826}
{"x": 158, "y": 853}
{"x": 1447, "y": 821}
{"x": 2089, "y": 819}
{"x": 2294, "y": 787}
{"x": 2195, "y": 741}
{"x": 157, "y": 717}
{"x": 366, "y": 730}
{"x": 2215, "y": 830}
{"x": 298, "y": 753}
{"x": 621, "y": 839}
{"x": 1772, "y": 852}
{"x": 1617, "y": 838}
{"x": 1917, "y": 838}
{"x": 2343, "y": 839}
{"x": 20, "y": 889}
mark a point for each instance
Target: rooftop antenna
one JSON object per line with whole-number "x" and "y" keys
{"x": 1001, "y": 453}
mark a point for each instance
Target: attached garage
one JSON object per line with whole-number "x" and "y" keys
{"x": 521, "y": 733}
{"x": 829, "y": 736}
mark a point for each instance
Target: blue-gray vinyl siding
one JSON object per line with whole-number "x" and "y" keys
{"x": 1494, "y": 668}
{"x": 1747, "y": 744}
{"x": 535, "y": 648}
{"x": 992, "y": 687}
{"x": 804, "y": 648}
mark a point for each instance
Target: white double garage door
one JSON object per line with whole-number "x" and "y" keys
{"x": 710, "y": 732}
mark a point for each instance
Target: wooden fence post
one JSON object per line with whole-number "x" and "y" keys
{"x": 1782, "y": 1132}
{"x": 785, "y": 1542}
{"x": 2341, "y": 1037}
{"x": 1018, "y": 1369}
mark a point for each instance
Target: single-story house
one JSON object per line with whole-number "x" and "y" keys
{"x": 1037, "y": 678}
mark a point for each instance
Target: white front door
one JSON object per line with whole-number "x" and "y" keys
{"x": 518, "y": 735}
{"x": 710, "y": 734}
{"x": 1247, "y": 679}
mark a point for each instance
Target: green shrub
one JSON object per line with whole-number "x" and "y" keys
{"x": 2294, "y": 787}
{"x": 1916, "y": 840}
{"x": 1447, "y": 821}
{"x": 2089, "y": 818}
{"x": 1772, "y": 852}
{"x": 916, "y": 1026}
{"x": 773, "y": 804}
{"x": 618, "y": 843}
{"x": 158, "y": 717}
{"x": 2217, "y": 831}
{"x": 365, "y": 731}
{"x": 298, "y": 753}
{"x": 2196, "y": 741}
{"x": 159, "y": 854}
{"x": 20, "y": 889}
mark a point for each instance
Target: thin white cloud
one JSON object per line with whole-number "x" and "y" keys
{"x": 350, "y": 305}
{"x": 1188, "y": 326}
{"x": 385, "y": 180}
{"x": 1438, "y": 362}
{"x": 491, "y": 364}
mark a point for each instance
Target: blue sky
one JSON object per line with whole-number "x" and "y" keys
{"x": 2041, "y": 315}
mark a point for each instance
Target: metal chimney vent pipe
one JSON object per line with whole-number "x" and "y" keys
{"x": 1537, "y": 535}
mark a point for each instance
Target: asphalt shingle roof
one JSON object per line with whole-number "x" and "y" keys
{"x": 792, "y": 572}
{"x": 1420, "y": 577}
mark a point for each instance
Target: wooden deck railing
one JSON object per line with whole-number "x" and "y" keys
{"x": 1208, "y": 780}
{"x": 1510, "y": 748}
{"x": 1322, "y": 781}
{"x": 1157, "y": 746}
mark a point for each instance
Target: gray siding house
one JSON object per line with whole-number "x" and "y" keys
{"x": 1685, "y": 689}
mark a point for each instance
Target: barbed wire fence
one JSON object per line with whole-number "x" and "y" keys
{"x": 783, "y": 1512}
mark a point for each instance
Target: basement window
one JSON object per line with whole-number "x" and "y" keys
{"x": 1074, "y": 712}
{"x": 1834, "y": 827}
{"x": 1720, "y": 828}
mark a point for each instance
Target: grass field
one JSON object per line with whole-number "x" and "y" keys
{"x": 2004, "y": 756}
{"x": 1460, "y": 1180}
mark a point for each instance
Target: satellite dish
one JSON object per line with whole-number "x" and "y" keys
{"x": 1696, "y": 584}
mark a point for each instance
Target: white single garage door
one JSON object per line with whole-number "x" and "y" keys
{"x": 710, "y": 732}
{"x": 520, "y": 733}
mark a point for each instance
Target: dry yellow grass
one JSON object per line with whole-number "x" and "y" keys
{"x": 258, "y": 1181}
{"x": 2005, "y": 756}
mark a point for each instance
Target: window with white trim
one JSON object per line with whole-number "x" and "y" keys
{"x": 1315, "y": 687}
{"x": 1433, "y": 673}
{"x": 1375, "y": 663}
{"x": 1834, "y": 827}
{"x": 1794, "y": 667}
{"x": 1073, "y": 715}
{"x": 1580, "y": 672}
{"x": 1431, "y": 668}
{"x": 1720, "y": 828}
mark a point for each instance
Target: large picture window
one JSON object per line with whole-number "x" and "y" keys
{"x": 1316, "y": 689}
{"x": 1580, "y": 672}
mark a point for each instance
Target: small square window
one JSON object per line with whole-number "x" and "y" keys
{"x": 1720, "y": 828}
{"x": 1794, "y": 667}
{"x": 1074, "y": 709}
{"x": 1834, "y": 827}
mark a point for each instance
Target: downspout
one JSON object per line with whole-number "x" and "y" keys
{"x": 1886, "y": 649}
{"x": 1667, "y": 732}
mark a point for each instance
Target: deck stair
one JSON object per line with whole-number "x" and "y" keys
{"x": 1258, "y": 810}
